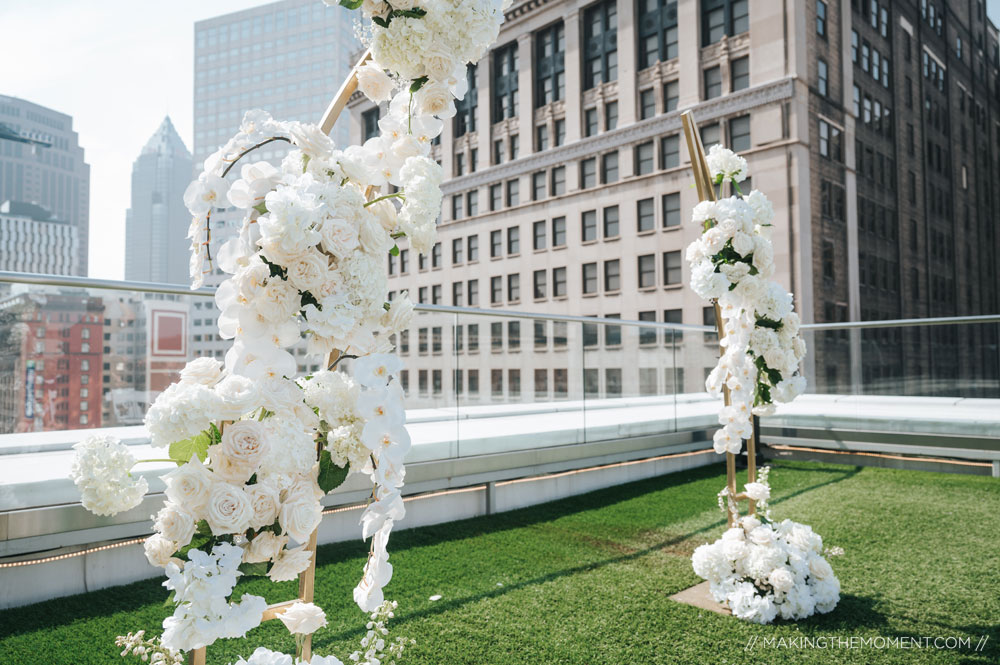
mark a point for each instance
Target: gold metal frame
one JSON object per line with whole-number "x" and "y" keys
{"x": 706, "y": 192}
{"x": 307, "y": 578}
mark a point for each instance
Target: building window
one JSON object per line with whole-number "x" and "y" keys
{"x": 496, "y": 196}
{"x": 369, "y": 123}
{"x": 558, "y": 282}
{"x": 538, "y": 234}
{"x": 671, "y": 93}
{"x": 590, "y": 127}
{"x": 671, "y": 268}
{"x": 505, "y": 64}
{"x": 671, "y": 210}
{"x": 472, "y": 202}
{"x": 828, "y": 260}
{"x": 589, "y": 278}
{"x": 739, "y": 133}
{"x": 713, "y": 82}
{"x": 465, "y": 108}
{"x": 404, "y": 261}
{"x": 538, "y": 186}
{"x": 473, "y": 377}
{"x": 610, "y": 116}
{"x": 644, "y": 158}
{"x": 540, "y": 284}
{"x": 513, "y": 192}
{"x": 657, "y": 31}
{"x": 541, "y": 383}
{"x": 823, "y": 80}
{"x": 456, "y": 206}
{"x": 456, "y": 294}
{"x": 673, "y": 316}
{"x": 647, "y": 335}
{"x": 588, "y": 173}
{"x": 515, "y": 145}
{"x": 612, "y": 276}
{"x": 436, "y": 255}
{"x": 496, "y": 382}
{"x": 647, "y": 271}
{"x": 588, "y": 225}
{"x": 496, "y": 244}
{"x": 647, "y": 104}
{"x": 821, "y": 18}
{"x": 472, "y": 248}
{"x": 550, "y": 69}
{"x": 456, "y": 251}
{"x": 670, "y": 152}
{"x": 560, "y": 137}
{"x": 558, "y": 231}
{"x": 723, "y": 17}
{"x": 646, "y": 215}
{"x": 611, "y": 222}
{"x": 514, "y": 287}
{"x": 739, "y": 73}
{"x": 542, "y": 138}
{"x": 496, "y": 291}
{"x": 473, "y": 295}
{"x": 514, "y": 240}
{"x": 560, "y": 383}
{"x": 558, "y": 180}
{"x": 609, "y": 167}
{"x": 600, "y": 43}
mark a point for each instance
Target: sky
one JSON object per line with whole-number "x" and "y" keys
{"x": 117, "y": 67}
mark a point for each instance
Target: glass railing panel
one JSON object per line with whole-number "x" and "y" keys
{"x": 519, "y": 383}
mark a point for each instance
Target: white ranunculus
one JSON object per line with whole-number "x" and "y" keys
{"x": 228, "y": 510}
{"x": 206, "y": 371}
{"x": 175, "y": 524}
{"x": 303, "y": 618}
{"x": 159, "y": 550}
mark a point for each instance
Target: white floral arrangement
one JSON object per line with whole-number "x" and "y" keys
{"x": 732, "y": 262}
{"x": 764, "y": 570}
{"x": 257, "y": 448}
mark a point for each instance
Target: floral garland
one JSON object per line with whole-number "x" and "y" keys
{"x": 732, "y": 263}
{"x": 763, "y": 570}
{"x": 257, "y": 449}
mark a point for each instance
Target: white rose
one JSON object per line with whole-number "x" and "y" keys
{"x": 434, "y": 99}
{"x": 239, "y": 394}
{"x": 313, "y": 141}
{"x": 758, "y": 491}
{"x": 400, "y": 314}
{"x": 265, "y": 501}
{"x": 743, "y": 243}
{"x": 300, "y": 517}
{"x": 820, "y": 568}
{"x": 245, "y": 441}
{"x": 159, "y": 550}
{"x": 339, "y": 237}
{"x": 374, "y": 238}
{"x": 189, "y": 485}
{"x": 206, "y": 371}
{"x": 781, "y": 579}
{"x": 762, "y": 535}
{"x": 266, "y": 546}
{"x": 175, "y": 524}
{"x": 308, "y": 271}
{"x": 229, "y": 509}
{"x": 374, "y": 83}
{"x": 303, "y": 618}
{"x": 229, "y": 469}
{"x": 289, "y": 564}
{"x": 385, "y": 212}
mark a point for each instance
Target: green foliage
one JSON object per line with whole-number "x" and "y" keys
{"x": 351, "y": 4}
{"x": 261, "y": 208}
{"x": 331, "y": 476}
{"x": 395, "y": 250}
{"x": 417, "y": 84}
{"x": 181, "y": 451}
{"x": 254, "y": 569}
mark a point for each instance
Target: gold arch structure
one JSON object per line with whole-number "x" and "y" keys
{"x": 706, "y": 192}
{"x": 307, "y": 578}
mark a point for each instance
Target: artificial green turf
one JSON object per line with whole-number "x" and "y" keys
{"x": 586, "y": 580}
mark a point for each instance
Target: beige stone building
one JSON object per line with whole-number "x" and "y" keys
{"x": 569, "y": 190}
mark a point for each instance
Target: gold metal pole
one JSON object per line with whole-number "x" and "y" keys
{"x": 706, "y": 192}
{"x": 343, "y": 95}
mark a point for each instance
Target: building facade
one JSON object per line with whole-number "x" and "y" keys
{"x": 569, "y": 183}
{"x": 288, "y": 58}
{"x": 42, "y": 163}
{"x": 156, "y": 224}
{"x": 31, "y": 240}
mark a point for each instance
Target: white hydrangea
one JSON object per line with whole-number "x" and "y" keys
{"x": 101, "y": 471}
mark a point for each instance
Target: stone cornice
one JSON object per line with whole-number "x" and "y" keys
{"x": 743, "y": 100}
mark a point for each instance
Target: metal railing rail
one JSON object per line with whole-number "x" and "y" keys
{"x": 39, "y": 279}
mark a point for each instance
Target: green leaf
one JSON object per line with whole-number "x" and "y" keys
{"x": 199, "y": 542}
{"x": 214, "y": 433}
{"x": 331, "y": 476}
{"x": 170, "y": 600}
{"x": 261, "y": 208}
{"x": 253, "y": 569}
{"x": 395, "y": 250}
{"x": 417, "y": 84}
{"x": 351, "y": 4}
{"x": 382, "y": 22}
{"x": 386, "y": 306}
{"x": 765, "y": 322}
{"x": 202, "y": 528}
{"x": 181, "y": 451}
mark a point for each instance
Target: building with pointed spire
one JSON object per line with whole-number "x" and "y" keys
{"x": 156, "y": 249}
